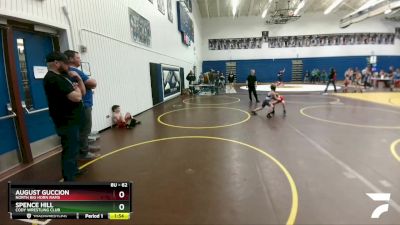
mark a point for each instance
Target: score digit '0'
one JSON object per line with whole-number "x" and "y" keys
{"x": 121, "y": 194}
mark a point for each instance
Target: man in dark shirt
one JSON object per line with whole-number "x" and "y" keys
{"x": 280, "y": 75}
{"x": 231, "y": 79}
{"x": 191, "y": 78}
{"x": 252, "y": 84}
{"x": 332, "y": 79}
{"x": 66, "y": 109}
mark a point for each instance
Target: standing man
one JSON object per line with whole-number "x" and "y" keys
{"x": 65, "y": 107}
{"x": 252, "y": 84}
{"x": 332, "y": 79}
{"x": 74, "y": 61}
{"x": 280, "y": 76}
{"x": 191, "y": 77}
{"x": 231, "y": 80}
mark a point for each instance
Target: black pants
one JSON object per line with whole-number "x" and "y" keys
{"x": 327, "y": 85}
{"x": 252, "y": 89}
{"x": 191, "y": 87}
{"x": 85, "y": 130}
{"x": 367, "y": 84}
{"x": 70, "y": 149}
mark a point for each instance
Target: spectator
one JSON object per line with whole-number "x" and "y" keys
{"x": 397, "y": 78}
{"x": 353, "y": 78}
{"x": 367, "y": 72}
{"x": 231, "y": 80}
{"x": 307, "y": 76}
{"x": 332, "y": 79}
{"x": 280, "y": 75}
{"x": 390, "y": 75}
{"x": 211, "y": 76}
{"x": 222, "y": 80}
{"x": 315, "y": 75}
{"x": 357, "y": 81}
{"x": 65, "y": 107}
{"x": 347, "y": 79}
{"x": 85, "y": 151}
{"x": 191, "y": 78}
{"x": 206, "y": 78}
{"x": 323, "y": 76}
{"x": 382, "y": 74}
{"x": 201, "y": 79}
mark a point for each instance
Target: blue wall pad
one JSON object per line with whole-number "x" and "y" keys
{"x": 267, "y": 69}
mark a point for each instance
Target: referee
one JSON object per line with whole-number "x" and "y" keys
{"x": 252, "y": 84}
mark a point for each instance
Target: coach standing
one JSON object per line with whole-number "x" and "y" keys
{"x": 66, "y": 108}
{"x": 252, "y": 84}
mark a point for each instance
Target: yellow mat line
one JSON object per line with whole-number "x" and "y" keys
{"x": 384, "y": 98}
{"x": 293, "y": 188}
{"x": 393, "y": 150}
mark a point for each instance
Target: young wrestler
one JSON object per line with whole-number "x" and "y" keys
{"x": 280, "y": 99}
{"x": 270, "y": 101}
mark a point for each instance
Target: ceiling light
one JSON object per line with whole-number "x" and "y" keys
{"x": 264, "y": 14}
{"x": 235, "y": 4}
{"x": 387, "y": 11}
{"x": 332, "y": 6}
{"x": 369, "y": 4}
{"x": 299, "y": 7}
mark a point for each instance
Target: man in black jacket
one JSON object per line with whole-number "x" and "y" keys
{"x": 191, "y": 77}
{"x": 252, "y": 84}
{"x": 66, "y": 109}
{"x": 332, "y": 79}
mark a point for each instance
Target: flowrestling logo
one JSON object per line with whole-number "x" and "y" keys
{"x": 380, "y": 197}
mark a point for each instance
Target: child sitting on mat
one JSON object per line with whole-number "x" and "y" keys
{"x": 120, "y": 121}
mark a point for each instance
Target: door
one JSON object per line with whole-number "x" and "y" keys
{"x": 9, "y": 150}
{"x": 156, "y": 83}
{"x": 182, "y": 76}
{"x": 30, "y": 52}
{"x": 297, "y": 70}
{"x": 231, "y": 68}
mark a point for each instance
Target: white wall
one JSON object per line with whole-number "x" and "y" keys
{"x": 120, "y": 66}
{"x": 308, "y": 24}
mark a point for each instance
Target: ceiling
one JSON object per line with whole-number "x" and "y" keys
{"x": 223, "y": 8}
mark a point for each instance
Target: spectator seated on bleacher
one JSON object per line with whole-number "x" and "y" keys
{"x": 397, "y": 75}
{"x": 307, "y": 77}
{"x": 396, "y": 79}
{"x": 347, "y": 79}
{"x": 324, "y": 76}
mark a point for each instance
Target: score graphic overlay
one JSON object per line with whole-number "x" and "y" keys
{"x": 111, "y": 200}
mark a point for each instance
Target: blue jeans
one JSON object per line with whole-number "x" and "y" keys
{"x": 70, "y": 144}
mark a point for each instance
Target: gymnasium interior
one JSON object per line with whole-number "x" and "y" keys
{"x": 230, "y": 112}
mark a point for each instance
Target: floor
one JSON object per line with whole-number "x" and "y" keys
{"x": 286, "y": 88}
{"x": 206, "y": 160}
